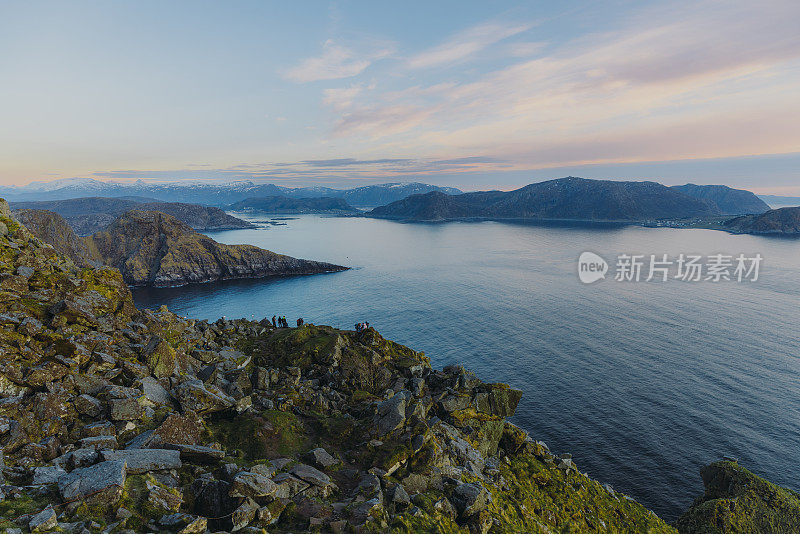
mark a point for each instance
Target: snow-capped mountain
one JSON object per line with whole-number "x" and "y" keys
{"x": 213, "y": 194}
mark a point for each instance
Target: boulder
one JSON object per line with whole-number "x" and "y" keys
{"x": 47, "y": 475}
{"x": 287, "y": 486}
{"x": 504, "y": 400}
{"x": 44, "y": 521}
{"x": 125, "y": 409}
{"x": 160, "y": 357}
{"x": 144, "y": 460}
{"x": 196, "y": 453}
{"x": 470, "y": 499}
{"x": 244, "y": 514}
{"x": 88, "y": 405}
{"x": 392, "y": 413}
{"x": 163, "y": 499}
{"x": 311, "y": 475}
{"x": 154, "y": 393}
{"x": 321, "y": 458}
{"x": 195, "y": 396}
{"x": 102, "y": 483}
{"x": 249, "y": 484}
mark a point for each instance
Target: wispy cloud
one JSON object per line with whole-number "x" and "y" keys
{"x": 465, "y": 44}
{"x": 706, "y": 80}
{"x": 335, "y": 62}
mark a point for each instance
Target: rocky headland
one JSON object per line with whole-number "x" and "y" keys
{"x": 778, "y": 222}
{"x": 156, "y": 249}
{"x": 114, "y": 419}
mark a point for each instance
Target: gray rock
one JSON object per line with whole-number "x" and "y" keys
{"x": 200, "y": 398}
{"x": 392, "y": 412}
{"x": 83, "y": 458}
{"x": 321, "y": 458}
{"x": 154, "y": 393}
{"x": 125, "y": 409}
{"x": 98, "y": 442}
{"x": 264, "y": 469}
{"x": 244, "y": 514}
{"x": 105, "y": 480}
{"x": 249, "y": 484}
{"x": 196, "y": 453}
{"x": 143, "y": 460}
{"x": 399, "y": 497}
{"x": 88, "y": 405}
{"x": 142, "y": 441}
{"x": 44, "y": 520}
{"x": 47, "y": 475}
{"x": 287, "y": 486}
{"x": 470, "y": 499}
{"x": 24, "y": 270}
{"x": 311, "y": 475}
{"x": 184, "y": 523}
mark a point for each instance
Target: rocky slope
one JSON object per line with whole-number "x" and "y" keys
{"x": 782, "y": 221}
{"x": 726, "y": 200}
{"x": 736, "y": 500}
{"x": 114, "y": 419}
{"x": 563, "y": 199}
{"x": 153, "y": 248}
{"x": 286, "y": 205}
{"x": 51, "y": 228}
{"x": 92, "y": 214}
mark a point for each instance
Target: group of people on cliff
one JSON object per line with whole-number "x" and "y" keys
{"x": 360, "y": 327}
{"x": 280, "y": 322}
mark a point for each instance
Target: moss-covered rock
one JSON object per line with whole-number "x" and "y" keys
{"x": 738, "y": 501}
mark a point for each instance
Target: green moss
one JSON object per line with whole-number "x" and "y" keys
{"x": 11, "y": 509}
{"x": 736, "y": 500}
{"x": 271, "y": 433}
{"x": 539, "y": 496}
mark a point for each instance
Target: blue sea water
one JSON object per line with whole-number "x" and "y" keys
{"x": 643, "y": 382}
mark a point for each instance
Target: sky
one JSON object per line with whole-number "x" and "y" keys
{"x": 475, "y": 95}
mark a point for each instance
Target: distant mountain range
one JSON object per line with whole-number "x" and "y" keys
{"x": 776, "y": 201}
{"x": 781, "y": 221}
{"x": 92, "y": 214}
{"x": 286, "y": 205}
{"x": 213, "y": 194}
{"x": 574, "y": 198}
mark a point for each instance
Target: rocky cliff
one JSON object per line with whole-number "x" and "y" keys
{"x": 782, "y": 221}
{"x": 726, "y": 200}
{"x": 114, "y": 419}
{"x": 153, "y": 248}
{"x": 51, "y": 228}
{"x": 736, "y": 500}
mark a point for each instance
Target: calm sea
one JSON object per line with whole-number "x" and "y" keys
{"x": 642, "y": 382}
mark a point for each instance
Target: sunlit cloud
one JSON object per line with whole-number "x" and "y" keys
{"x": 710, "y": 80}
{"x": 466, "y": 44}
{"x": 336, "y": 62}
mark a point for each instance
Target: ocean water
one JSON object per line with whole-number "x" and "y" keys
{"x": 643, "y": 382}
